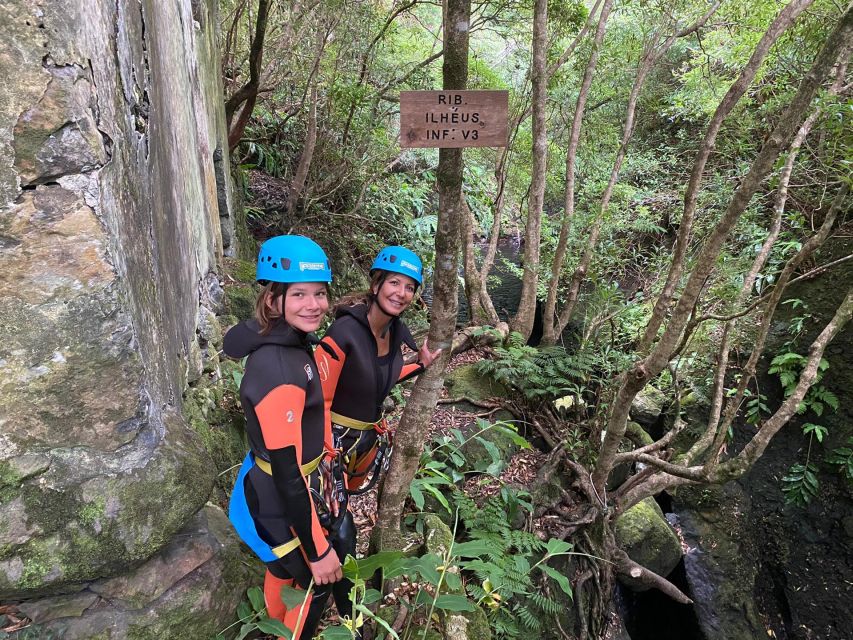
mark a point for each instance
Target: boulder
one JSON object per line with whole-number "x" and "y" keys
{"x": 467, "y": 382}
{"x": 720, "y": 565}
{"x": 648, "y": 539}
{"x": 647, "y": 406}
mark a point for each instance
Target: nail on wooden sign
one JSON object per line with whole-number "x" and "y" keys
{"x": 452, "y": 119}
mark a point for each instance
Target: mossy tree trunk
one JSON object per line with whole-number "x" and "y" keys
{"x": 414, "y": 424}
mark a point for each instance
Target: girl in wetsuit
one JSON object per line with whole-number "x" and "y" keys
{"x": 361, "y": 359}
{"x": 271, "y": 505}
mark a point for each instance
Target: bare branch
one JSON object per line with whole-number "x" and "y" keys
{"x": 644, "y": 370}
{"x": 627, "y": 567}
{"x": 755, "y": 448}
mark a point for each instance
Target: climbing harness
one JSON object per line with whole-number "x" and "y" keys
{"x": 380, "y": 450}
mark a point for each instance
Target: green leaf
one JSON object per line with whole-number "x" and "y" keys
{"x": 245, "y": 630}
{"x": 417, "y": 495}
{"x": 439, "y": 496}
{"x": 275, "y": 628}
{"x": 336, "y": 633}
{"x": 371, "y": 596}
{"x": 473, "y": 548}
{"x": 364, "y": 568}
{"x": 559, "y": 578}
{"x": 427, "y": 567}
{"x": 453, "y": 581}
{"x": 256, "y": 597}
{"x": 292, "y": 597}
{"x": 510, "y": 431}
{"x": 452, "y": 602}
{"x": 816, "y": 429}
{"x": 379, "y": 621}
{"x": 556, "y": 547}
{"x": 244, "y": 612}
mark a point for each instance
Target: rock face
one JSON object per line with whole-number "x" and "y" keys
{"x": 171, "y": 595}
{"x": 113, "y": 193}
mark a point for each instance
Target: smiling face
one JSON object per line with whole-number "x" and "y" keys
{"x": 395, "y": 293}
{"x": 304, "y": 304}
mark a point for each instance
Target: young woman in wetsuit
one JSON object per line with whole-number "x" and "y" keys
{"x": 361, "y": 359}
{"x": 272, "y": 505}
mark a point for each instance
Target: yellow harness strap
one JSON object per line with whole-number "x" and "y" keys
{"x": 307, "y": 469}
{"x": 283, "y": 549}
{"x": 352, "y": 423}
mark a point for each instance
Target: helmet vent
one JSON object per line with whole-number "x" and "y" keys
{"x": 285, "y": 263}
{"x": 393, "y": 259}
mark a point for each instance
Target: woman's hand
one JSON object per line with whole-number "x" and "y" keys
{"x": 327, "y": 569}
{"x": 425, "y": 356}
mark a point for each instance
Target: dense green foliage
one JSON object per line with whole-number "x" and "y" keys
{"x": 362, "y": 191}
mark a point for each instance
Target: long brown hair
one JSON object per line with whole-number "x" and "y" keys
{"x": 265, "y": 314}
{"x": 361, "y": 297}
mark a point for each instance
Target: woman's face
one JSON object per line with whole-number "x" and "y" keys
{"x": 304, "y": 304}
{"x": 395, "y": 294}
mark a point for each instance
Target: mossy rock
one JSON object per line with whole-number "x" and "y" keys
{"x": 648, "y": 405}
{"x": 469, "y": 625}
{"x": 648, "y": 539}
{"x": 468, "y": 382}
{"x": 96, "y": 525}
{"x": 240, "y": 301}
{"x": 190, "y": 589}
{"x": 221, "y": 432}
{"x": 438, "y": 538}
{"x": 242, "y": 270}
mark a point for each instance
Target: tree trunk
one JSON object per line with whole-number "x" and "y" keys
{"x": 549, "y": 335}
{"x": 247, "y": 95}
{"x": 414, "y": 423}
{"x": 297, "y": 184}
{"x": 477, "y": 314}
{"x": 523, "y": 319}
{"x": 749, "y": 280}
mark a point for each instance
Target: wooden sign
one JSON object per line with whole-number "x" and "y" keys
{"x": 452, "y": 119}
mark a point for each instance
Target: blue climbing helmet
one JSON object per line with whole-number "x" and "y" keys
{"x": 292, "y": 259}
{"x": 399, "y": 260}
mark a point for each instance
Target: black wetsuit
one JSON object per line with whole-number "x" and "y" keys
{"x": 356, "y": 380}
{"x": 287, "y": 429}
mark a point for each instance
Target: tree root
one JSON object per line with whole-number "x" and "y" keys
{"x": 477, "y": 403}
{"x": 579, "y": 603}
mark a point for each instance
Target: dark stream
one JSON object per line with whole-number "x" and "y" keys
{"x": 649, "y": 615}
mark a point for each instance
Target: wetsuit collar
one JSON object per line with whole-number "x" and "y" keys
{"x": 245, "y": 337}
